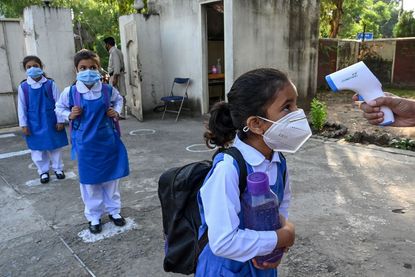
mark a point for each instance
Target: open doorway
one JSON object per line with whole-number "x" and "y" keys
{"x": 215, "y": 47}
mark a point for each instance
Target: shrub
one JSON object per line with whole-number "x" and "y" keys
{"x": 318, "y": 114}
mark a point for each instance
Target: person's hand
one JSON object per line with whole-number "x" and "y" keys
{"x": 60, "y": 127}
{"x": 75, "y": 112}
{"x": 26, "y": 131}
{"x": 286, "y": 234}
{"x": 112, "y": 113}
{"x": 265, "y": 265}
{"x": 403, "y": 110}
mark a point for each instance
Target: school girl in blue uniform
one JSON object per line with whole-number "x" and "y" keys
{"x": 44, "y": 131}
{"x": 92, "y": 109}
{"x": 260, "y": 119}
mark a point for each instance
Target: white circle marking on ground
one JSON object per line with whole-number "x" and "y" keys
{"x": 201, "y": 145}
{"x": 141, "y": 132}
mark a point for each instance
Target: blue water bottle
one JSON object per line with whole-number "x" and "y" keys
{"x": 260, "y": 207}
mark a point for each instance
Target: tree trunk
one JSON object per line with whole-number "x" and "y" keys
{"x": 335, "y": 21}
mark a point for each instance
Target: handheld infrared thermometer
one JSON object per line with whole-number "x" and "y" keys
{"x": 361, "y": 80}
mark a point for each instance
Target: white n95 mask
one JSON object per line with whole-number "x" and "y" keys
{"x": 289, "y": 133}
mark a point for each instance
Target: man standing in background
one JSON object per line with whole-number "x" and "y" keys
{"x": 116, "y": 70}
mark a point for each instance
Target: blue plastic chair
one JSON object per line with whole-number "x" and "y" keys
{"x": 173, "y": 100}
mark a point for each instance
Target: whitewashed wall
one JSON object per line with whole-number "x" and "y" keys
{"x": 12, "y": 51}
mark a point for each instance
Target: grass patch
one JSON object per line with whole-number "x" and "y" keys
{"x": 401, "y": 92}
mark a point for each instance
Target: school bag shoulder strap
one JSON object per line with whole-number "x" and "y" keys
{"x": 242, "y": 167}
{"x": 107, "y": 93}
{"x": 243, "y": 174}
{"x": 283, "y": 168}
{"x": 74, "y": 97}
{"x": 282, "y": 173}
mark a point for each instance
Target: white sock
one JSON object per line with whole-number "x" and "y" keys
{"x": 116, "y": 216}
{"x": 95, "y": 222}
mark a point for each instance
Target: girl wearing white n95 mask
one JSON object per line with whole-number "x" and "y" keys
{"x": 93, "y": 109}
{"x": 260, "y": 119}
{"x": 44, "y": 131}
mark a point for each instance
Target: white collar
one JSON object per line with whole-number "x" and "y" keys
{"x": 251, "y": 155}
{"x": 30, "y": 81}
{"x": 81, "y": 88}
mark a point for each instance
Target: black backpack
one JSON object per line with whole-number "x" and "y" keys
{"x": 177, "y": 190}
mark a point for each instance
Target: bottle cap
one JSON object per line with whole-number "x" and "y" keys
{"x": 257, "y": 183}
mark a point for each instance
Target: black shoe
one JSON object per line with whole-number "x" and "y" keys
{"x": 117, "y": 221}
{"x": 44, "y": 177}
{"x": 60, "y": 176}
{"x": 95, "y": 229}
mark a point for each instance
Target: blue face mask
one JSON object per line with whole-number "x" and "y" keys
{"x": 34, "y": 72}
{"x": 88, "y": 77}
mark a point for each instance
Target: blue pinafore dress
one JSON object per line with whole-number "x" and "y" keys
{"x": 210, "y": 265}
{"x": 41, "y": 118}
{"x": 101, "y": 154}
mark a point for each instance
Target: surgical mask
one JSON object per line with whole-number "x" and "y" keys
{"x": 88, "y": 77}
{"x": 34, "y": 72}
{"x": 289, "y": 133}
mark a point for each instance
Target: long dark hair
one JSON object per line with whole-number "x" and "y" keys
{"x": 250, "y": 95}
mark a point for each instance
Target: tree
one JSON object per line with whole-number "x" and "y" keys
{"x": 93, "y": 19}
{"x": 346, "y": 18}
{"x": 14, "y": 9}
{"x": 331, "y": 13}
{"x": 406, "y": 25}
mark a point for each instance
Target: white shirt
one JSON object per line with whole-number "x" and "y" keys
{"x": 21, "y": 100}
{"x": 62, "y": 106}
{"x": 115, "y": 61}
{"x": 221, "y": 204}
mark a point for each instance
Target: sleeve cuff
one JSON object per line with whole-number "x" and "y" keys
{"x": 269, "y": 239}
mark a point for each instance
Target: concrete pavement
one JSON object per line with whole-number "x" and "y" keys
{"x": 353, "y": 207}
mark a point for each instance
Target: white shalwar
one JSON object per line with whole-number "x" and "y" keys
{"x": 103, "y": 197}
{"x": 42, "y": 159}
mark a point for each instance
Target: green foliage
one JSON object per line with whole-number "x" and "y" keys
{"x": 93, "y": 19}
{"x": 403, "y": 143}
{"x": 401, "y": 92}
{"x": 377, "y": 16}
{"x": 318, "y": 114}
{"x": 406, "y": 25}
{"x": 14, "y": 9}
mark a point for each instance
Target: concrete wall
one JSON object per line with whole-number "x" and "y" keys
{"x": 181, "y": 48}
{"x": 391, "y": 60}
{"x": 11, "y": 72}
{"x": 404, "y": 63}
{"x": 150, "y": 60}
{"x": 260, "y": 33}
{"x": 275, "y": 33}
{"x": 49, "y": 35}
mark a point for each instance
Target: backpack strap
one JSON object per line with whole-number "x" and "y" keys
{"x": 243, "y": 174}
{"x": 282, "y": 171}
{"x": 74, "y": 100}
{"x": 107, "y": 93}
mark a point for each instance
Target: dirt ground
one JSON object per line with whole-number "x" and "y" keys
{"x": 341, "y": 110}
